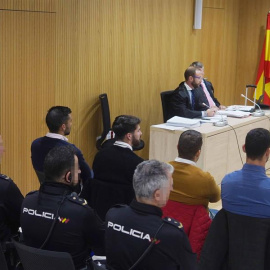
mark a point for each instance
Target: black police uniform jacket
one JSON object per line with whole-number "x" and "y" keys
{"x": 77, "y": 227}
{"x": 10, "y": 207}
{"x": 131, "y": 229}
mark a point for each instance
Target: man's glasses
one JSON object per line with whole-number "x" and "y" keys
{"x": 197, "y": 77}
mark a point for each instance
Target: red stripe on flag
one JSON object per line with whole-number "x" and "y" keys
{"x": 261, "y": 64}
{"x": 268, "y": 21}
{"x": 266, "y": 98}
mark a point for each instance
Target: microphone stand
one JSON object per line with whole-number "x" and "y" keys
{"x": 255, "y": 114}
{"x": 219, "y": 123}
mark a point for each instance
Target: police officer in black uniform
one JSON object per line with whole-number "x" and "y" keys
{"x": 137, "y": 235}
{"x": 55, "y": 218}
{"x": 10, "y": 204}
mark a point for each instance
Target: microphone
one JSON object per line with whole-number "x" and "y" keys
{"x": 256, "y": 114}
{"x": 219, "y": 123}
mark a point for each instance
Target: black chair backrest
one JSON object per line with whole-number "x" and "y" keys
{"x": 106, "y": 119}
{"x": 39, "y": 259}
{"x": 165, "y": 101}
{"x": 3, "y": 263}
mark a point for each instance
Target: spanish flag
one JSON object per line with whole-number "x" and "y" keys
{"x": 263, "y": 75}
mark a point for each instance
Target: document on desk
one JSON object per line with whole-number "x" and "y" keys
{"x": 165, "y": 126}
{"x": 237, "y": 114}
{"x": 183, "y": 122}
{"x": 241, "y": 108}
{"x": 213, "y": 119}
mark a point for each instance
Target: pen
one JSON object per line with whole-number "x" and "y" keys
{"x": 206, "y": 105}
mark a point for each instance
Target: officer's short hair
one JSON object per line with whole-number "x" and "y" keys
{"x": 149, "y": 176}
{"x": 58, "y": 161}
{"x": 124, "y": 124}
{"x": 56, "y": 117}
{"x": 257, "y": 142}
{"x": 190, "y": 142}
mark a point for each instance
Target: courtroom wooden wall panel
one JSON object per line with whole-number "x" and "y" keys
{"x": 214, "y": 3}
{"x": 30, "y": 5}
{"x": 213, "y": 42}
{"x": 252, "y": 24}
{"x": 228, "y": 65}
{"x": 27, "y": 87}
{"x": 219, "y": 46}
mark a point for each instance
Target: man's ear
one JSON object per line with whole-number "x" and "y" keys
{"x": 129, "y": 136}
{"x": 267, "y": 152}
{"x": 157, "y": 195}
{"x": 197, "y": 155}
{"x": 244, "y": 148}
{"x": 63, "y": 127}
{"x": 68, "y": 177}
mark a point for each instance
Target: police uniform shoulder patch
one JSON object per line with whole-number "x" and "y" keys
{"x": 173, "y": 222}
{"x": 73, "y": 197}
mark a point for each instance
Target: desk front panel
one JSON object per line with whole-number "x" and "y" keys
{"x": 222, "y": 146}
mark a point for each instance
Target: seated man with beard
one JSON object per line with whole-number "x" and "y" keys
{"x": 114, "y": 166}
{"x": 55, "y": 217}
{"x": 186, "y": 98}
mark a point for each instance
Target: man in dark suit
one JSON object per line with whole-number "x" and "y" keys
{"x": 59, "y": 122}
{"x": 186, "y": 99}
{"x": 207, "y": 90}
{"x": 114, "y": 166}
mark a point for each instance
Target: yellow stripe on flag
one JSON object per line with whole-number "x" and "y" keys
{"x": 259, "y": 91}
{"x": 267, "y": 47}
{"x": 267, "y": 89}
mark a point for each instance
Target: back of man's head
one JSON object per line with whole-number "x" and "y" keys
{"x": 124, "y": 124}
{"x": 190, "y": 142}
{"x": 197, "y": 64}
{"x": 56, "y": 117}
{"x": 59, "y": 161}
{"x": 190, "y": 71}
{"x": 257, "y": 142}
{"x": 150, "y": 176}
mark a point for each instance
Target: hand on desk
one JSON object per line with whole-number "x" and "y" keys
{"x": 211, "y": 111}
{"x": 221, "y": 107}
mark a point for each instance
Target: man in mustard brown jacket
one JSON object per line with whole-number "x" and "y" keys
{"x": 191, "y": 185}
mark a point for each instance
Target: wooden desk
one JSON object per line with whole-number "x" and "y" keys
{"x": 220, "y": 152}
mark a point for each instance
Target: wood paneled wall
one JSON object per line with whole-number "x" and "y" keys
{"x": 252, "y": 25}
{"x": 27, "y": 81}
{"x": 130, "y": 49}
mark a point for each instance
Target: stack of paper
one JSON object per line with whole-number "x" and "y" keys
{"x": 237, "y": 114}
{"x": 183, "y": 122}
{"x": 241, "y": 108}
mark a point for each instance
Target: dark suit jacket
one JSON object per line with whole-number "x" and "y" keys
{"x": 203, "y": 98}
{"x": 180, "y": 103}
